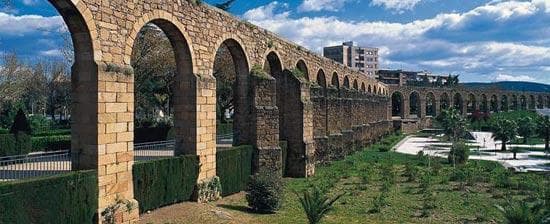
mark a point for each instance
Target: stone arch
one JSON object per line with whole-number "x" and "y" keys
{"x": 458, "y": 103}
{"x": 504, "y": 103}
{"x": 173, "y": 30}
{"x": 84, "y": 76}
{"x": 346, "y": 82}
{"x": 241, "y": 95}
{"x": 493, "y": 103}
{"x": 273, "y": 64}
{"x": 540, "y": 102}
{"x": 335, "y": 82}
{"x": 431, "y": 109}
{"x": 398, "y": 105}
{"x": 547, "y": 101}
{"x": 321, "y": 79}
{"x": 472, "y": 103}
{"x": 370, "y": 89}
{"x": 415, "y": 107}
{"x": 185, "y": 108}
{"x": 514, "y": 105}
{"x": 532, "y": 102}
{"x": 302, "y": 66}
{"x": 355, "y": 85}
{"x": 444, "y": 101}
{"x": 484, "y": 106}
{"x": 523, "y": 102}
{"x": 363, "y": 87}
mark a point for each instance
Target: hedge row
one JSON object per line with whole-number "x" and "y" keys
{"x": 164, "y": 182}
{"x": 234, "y": 167}
{"x": 15, "y": 144}
{"x": 68, "y": 198}
{"x": 51, "y": 143}
{"x": 54, "y": 132}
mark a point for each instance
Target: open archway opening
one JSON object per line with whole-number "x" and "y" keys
{"x": 471, "y": 106}
{"x": 484, "y": 106}
{"x": 414, "y": 105}
{"x": 540, "y": 102}
{"x": 523, "y": 102}
{"x": 397, "y": 105}
{"x": 514, "y": 104}
{"x": 355, "y": 85}
{"x": 302, "y": 67}
{"x": 532, "y": 103}
{"x": 458, "y": 103}
{"x": 161, "y": 60}
{"x": 363, "y": 87}
{"x": 494, "y": 104}
{"x": 504, "y": 103}
{"x": 431, "y": 105}
{"x": 233, "y": 99}
{"x": 346, "y": 82}
{"x": 320, "y": 121}
{"x": 444, "y": 101}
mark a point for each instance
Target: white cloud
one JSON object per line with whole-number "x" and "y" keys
{"x": 30, "y": 2}
{"x": 20, "y": 25}
{"x": 488, "y": 38}
{"x": 52, "y": 53}
{"x": 399, "y": 6}
{"x": 320, "y": 5}
{"x": 503, "y": 77}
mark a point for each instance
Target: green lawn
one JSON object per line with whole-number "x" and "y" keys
{"x": 468, "y": 194}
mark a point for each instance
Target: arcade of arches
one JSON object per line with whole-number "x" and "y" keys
{"x": 323, "y": 114}
{"x": 415, "y": 107}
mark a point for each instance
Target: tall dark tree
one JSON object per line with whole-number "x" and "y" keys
{"x": 20, "y": 124}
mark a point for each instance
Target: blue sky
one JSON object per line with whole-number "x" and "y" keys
{"x": 482, "y": 40}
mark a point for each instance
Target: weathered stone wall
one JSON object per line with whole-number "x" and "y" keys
{"x": 103, "y": 35}
{"x": 468, "y": 100}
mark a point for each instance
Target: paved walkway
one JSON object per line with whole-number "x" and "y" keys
{"x": 485, "y": 148}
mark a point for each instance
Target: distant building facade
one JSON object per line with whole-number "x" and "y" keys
{"x": 363, "y": 59}
{"x": 415, "y": 78}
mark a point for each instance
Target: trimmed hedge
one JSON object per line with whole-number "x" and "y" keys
{"x": 51, "y": 143}
{"x": 234, "y": 167}
{"x": 164, "y": 182}
{"x": 55, "y": 132}
{"x": 67, "y": 198}
{"x": 11, "y": 144}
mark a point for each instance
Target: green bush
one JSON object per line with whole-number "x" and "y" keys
{"x": 4, "y": 131}
{"x": 234, "y": 168}
{"x": 164, "y": 182}
{"x": 67, "y": 198}
{"x": 15, "y": 144}
{"x": 459, "y": 153}
{"x": 55, "y": 132}
{"x": 264, "y": 193}
{"x": 20, "y": 123}
{"x": 51, "y": 143}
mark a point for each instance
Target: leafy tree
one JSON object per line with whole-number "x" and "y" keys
{"x": 543, "y": 127}
{"x": 316, "y": 204}
{"x": 459, "y": 153}
{"x": 154, "y": 64}
{"x": 453, "y": 124}
{"x": 504, "y": 130}
{"x": 526, "y": 128}
{"x": 225, "y": 6}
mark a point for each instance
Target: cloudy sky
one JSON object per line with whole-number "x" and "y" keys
{"x": 482, "y": 40}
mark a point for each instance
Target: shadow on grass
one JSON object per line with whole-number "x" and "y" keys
{"x": 242, "y": 208}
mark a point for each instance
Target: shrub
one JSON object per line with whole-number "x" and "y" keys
{"x": 234, "y": 168}
{"x": 264, "y": 192}
{"x": 379, "y": 202}
{"x": 166, "y": 181}
{"x": 51, "y": 143}
{"x": 501, "y": 178}
{"x": 524, "y": 213}
{"x": 411, "y": 171}
{"x": 459, "y": 153}
{"x": 316, "y": 204}
{"x": 20, "y": 123}
{"x": 67, "y": 198}
{"x": 55, "y": 132}
{"x": 15, "y": 144}
{"x": 383, "y": 148}
{"x": 4, "y": 131}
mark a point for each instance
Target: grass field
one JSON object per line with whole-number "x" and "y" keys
{"x": 422, "y": 190}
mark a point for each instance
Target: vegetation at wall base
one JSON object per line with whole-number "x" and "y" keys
{"x": 264, "y": 192}
{"x": 17, "y": 144}
{"x": 166, "y": 181}
{"x": 234, "y": 167}
{"x": 441, "y": 193}
{"x": 66, "y": 198}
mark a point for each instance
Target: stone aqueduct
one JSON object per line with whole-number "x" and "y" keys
{"x": 320, "y": 115}
{"x": 414, "y": 107}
